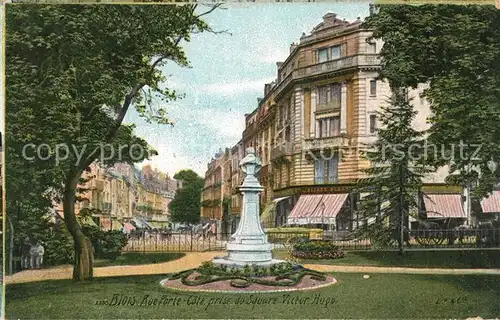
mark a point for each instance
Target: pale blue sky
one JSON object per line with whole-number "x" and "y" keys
{"x": 227, "y": 76}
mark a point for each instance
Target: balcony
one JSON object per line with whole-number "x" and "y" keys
{"x": 97, "y": 185}
{"x": 107, "y": 206}
{"x": 344, "y": 63}
{"x": 325, "y": 143}
{"x": 285, "y": 149}
{"x": 328, "y": 107}
{"x": 325, "y": 180}
{"x": 250, "y": 130}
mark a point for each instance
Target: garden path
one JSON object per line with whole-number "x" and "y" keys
{"x": 194, "y": 259}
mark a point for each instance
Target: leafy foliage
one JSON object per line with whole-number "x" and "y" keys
{"x": 107, "y": 244}
{"x": 317, "y": 250}
{"x": 454, "y": 50}
{"x": 186, "y": 207}
{"x": 390, "y": 190}
{"x": 73, "y": 72}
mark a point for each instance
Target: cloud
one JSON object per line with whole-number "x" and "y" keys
{"x": 236, "y": 87}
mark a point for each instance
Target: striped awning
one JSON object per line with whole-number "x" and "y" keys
{"x": 277, "y": 200}
{"x": 444, "y": 206}
{"x": 128, "y": 227}
{"x": 88, "y": 221}
{"x": 140, "y": 223}
{"x": 105, "y": 223}
{"x": 117, "y": 225}
{"x": 492, "y": 203}
{"x": 313, "y": 209}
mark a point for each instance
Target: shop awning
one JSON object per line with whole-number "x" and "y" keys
{"x": 117, "y": 225}
{"x": 105, "y": 224}
{"x": 277, "y": 200}
{"x": 444, "y": 206}
{"x": 88, "y": 221}
{"x": 140, "y": 223}
{"x": 314, "y": 209}
{"x": 268, "y": 216}
{"x": 492, "y": 203}
{"x": 128, "y": 227}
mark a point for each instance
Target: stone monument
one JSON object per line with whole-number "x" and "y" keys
{"x": 248, "y": 245}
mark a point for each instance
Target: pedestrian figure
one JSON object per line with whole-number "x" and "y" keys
{"x": 25, "y": 253}
{"x": 213, "y": 229}
{"x": 37, "y": 251}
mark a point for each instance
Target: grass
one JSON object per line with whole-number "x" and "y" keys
{"x": 381, "y": 296}
{"x": 134, "y": 258}
{"x": 416, "y": 259}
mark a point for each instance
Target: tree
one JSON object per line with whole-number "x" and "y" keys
{"x": 455, "y": 50}
{"x": 186, "y": 207}
{"x": 392, "y": 183}
{"x": 73, "y": 73}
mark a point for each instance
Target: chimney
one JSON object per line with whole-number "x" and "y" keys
{"x": 329, "y": 17}
{"x": 293, "y": 46}
{"x": 267, "y": 88}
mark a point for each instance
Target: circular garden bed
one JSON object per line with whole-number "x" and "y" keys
{"x": 278, "y": 277}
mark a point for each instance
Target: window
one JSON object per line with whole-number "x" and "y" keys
{"x": 372, "y": 47}
{"x": 373, "y": 123}
{"x": 322, "y": 55}
{"x": 373, "y": 87}
{"x": 335, "y": 52}
{"x": 326, "y": 168}
{"x": 329, "y": 127}
{"x": 332, "y": 53}
{"x": 330, "y": 94}
{"x": 335, "y": 126}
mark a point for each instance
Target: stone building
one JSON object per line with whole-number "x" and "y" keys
{"x": 314, "y": 120}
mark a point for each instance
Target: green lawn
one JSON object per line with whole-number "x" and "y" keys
{"x": 381, "y": 296}
{"x": 417, "y": 259}
{"x": 134, "y": 258}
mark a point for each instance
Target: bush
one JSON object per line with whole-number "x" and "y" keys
{"x": 59, "y": 247}
{"x": 284, "y": 233}
{"x": 317, "y": 250}
{"x": 207, "y": 268}
{"x": 281, "y": 235}
{"x": 107, "y": 244}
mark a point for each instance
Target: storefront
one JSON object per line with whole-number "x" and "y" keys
{"x": 331, "y": 207}
{"x": 488, "y": 209}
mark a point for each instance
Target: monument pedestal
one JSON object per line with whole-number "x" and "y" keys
{"x": 248, "y": 245}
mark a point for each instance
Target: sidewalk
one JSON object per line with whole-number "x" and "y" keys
{"x": 194, "y": 259}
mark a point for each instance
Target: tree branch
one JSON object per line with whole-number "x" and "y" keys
{"x": 213, "y": 7}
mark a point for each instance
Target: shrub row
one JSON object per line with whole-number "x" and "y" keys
{"x": 317, "y": 250}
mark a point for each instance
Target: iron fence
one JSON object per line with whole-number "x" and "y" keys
{"x": 347, "y": 240}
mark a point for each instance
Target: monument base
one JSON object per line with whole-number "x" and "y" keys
{"x": 226, "y": 261}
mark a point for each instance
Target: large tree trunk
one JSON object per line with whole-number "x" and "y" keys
{"x": 84, "y": 253}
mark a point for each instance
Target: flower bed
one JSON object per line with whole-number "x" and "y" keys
{"x": 317, "y": 250}
{"x": 278, "y": 275}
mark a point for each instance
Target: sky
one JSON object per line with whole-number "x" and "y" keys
{"x": 227, "y": 76}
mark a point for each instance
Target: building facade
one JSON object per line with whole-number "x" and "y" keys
{"x": 311, "y": 126}
{"x": 124, "y": 196}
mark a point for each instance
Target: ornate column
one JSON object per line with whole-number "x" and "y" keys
{"x": 343, "y": 108}
{"x": 313, "y": 110}
{"x": 248, "y": 245}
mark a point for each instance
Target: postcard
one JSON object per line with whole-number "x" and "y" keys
{"x": 229, "y": 160}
